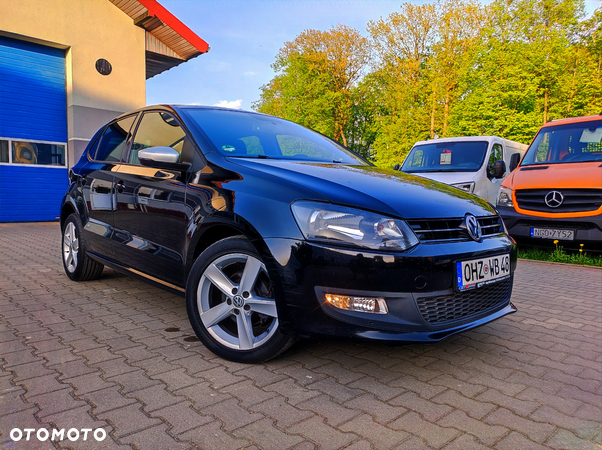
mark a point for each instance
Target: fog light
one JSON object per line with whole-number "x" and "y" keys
{"x": 360, "y": 304}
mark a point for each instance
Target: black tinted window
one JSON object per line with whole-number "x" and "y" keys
{"x": 156, "y": 129}
{"x": 113, "y": 140}
{"x": 248, "y": 135}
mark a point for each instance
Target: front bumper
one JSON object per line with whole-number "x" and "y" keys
{"x": 588, "y": 230}
{"x": 418, "y": 287}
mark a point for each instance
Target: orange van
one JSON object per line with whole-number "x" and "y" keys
{"x": 556, "y": 191}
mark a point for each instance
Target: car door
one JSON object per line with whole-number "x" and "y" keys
{"x": 151, "y": 214}
{"x": 97, "y": 180}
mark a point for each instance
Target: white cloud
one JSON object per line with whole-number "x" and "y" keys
{"x": 249, "y": 74}
{"x": 236, "y": 104}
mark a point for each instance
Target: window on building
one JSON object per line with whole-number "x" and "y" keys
{"x": 38, "y": 153}
{"x": 16, "y": 151}
{"x": 3, "y": 151}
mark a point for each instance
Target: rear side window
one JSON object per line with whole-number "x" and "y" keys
{"x": 157, "y": 129}
{"x": 113, "y": 140}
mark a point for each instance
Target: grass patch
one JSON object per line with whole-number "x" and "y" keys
{"x": 560, "y": 255}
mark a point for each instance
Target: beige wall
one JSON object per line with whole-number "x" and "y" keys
{"x": 87, "y": 30}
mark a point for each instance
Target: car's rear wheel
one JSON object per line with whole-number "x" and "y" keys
{"x": 231, "y": 304}
{"x": 78, "y": 266}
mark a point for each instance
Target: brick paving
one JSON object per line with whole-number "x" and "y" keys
{"x": 120, "y": 355}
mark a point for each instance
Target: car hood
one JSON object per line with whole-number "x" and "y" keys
{"x": 386, "y": 191}
{"x": 556, "y": 176}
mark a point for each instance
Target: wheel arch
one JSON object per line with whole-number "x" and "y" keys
{"x": 67, "y": 209}
{"x": 216, "y": 228}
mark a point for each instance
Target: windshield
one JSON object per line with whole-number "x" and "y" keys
{"x": 247, "y": 135}
{"x": 446, "y": 157}
{"x": 573, "y": 142}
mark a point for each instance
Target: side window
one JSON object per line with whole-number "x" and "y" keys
{"x": 497, "y": 154}
{"x": 156, "y": 129}
{"x": 113, "y": 140}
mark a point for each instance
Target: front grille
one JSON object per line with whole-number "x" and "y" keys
{"x": 459, "y": 305}
{"x": 575, "y": 200}
{"x": 450, "y": 230}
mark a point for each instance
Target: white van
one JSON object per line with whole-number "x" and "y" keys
{"x": 476, "y": 164}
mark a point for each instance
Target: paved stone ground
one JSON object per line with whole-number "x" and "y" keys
{"x": 120, "y": 355}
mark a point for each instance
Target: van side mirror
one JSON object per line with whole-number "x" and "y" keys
{"x": 162, "y": 158}
{"x": 396, "y": 167}
{"x": 514, "y": 160}
{"x": 499, "y": 169}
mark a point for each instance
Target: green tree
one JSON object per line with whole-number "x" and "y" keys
{"x": 532, "y": 65}
{"x": 316, "y": 84}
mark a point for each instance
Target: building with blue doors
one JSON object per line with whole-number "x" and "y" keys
{"x": 66, "y": 68}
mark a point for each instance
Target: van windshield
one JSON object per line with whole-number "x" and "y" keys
{"x": 446, "y": 157}
{"x": 572, "y": 142}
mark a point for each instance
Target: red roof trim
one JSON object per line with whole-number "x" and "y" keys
{"x": 157, "y": 10}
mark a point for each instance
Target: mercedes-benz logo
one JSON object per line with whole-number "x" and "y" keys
{"x": 554, "y": 199}
{"x": 472, "y": 227}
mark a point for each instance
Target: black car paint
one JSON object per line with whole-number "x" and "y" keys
{"x": 157, "y": 238}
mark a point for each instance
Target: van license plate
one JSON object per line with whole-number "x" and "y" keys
{"x": 480, "y": 272}
{"x": 550, "y": 233}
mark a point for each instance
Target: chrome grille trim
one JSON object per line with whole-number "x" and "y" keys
{"x": 435, "y": 230}
{"x": 575, "y": 200}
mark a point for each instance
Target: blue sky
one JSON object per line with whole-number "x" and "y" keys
{"x": 245, "y": 36}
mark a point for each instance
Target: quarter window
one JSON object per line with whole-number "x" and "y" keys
{"x": 157, "y": 129}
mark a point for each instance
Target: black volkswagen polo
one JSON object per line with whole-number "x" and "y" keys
{"x": 273, "y": 232}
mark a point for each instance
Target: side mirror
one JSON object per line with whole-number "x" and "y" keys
{"x": 162, "y": 158}
{"x": 498, "y": 169}
{"x": 514, "y": 160}
{"x": 396, "y": 167}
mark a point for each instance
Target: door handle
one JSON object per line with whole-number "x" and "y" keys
{"x": 120, "y": 186}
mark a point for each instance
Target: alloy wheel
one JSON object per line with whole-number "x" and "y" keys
{"x": 236, "y": 303}
{"x": 70, "y": 247}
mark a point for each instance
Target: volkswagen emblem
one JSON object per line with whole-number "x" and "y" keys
{"x": 472, "y": 227}
{"x": 554, "y": 199}
{"x": 238, "y": 301}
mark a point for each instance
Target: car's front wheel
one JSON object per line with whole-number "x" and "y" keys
{"x": 78, "y": 266}
{"x": 231, "y": 304}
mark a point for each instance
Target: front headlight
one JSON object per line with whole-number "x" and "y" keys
{"x": 468, "y": 186}
{"x": 322, "y": 222}
{"x": 505, "y": 198}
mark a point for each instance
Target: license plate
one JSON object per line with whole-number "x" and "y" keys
{"x": 550, "y": 233}
{"x": 480, "y": 272}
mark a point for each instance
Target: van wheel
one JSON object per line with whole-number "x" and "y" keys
{"x": 231, "y": 304}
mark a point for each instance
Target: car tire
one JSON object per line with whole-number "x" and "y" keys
{"x": 231, "y": 304}
{"x": 77, "y": 264}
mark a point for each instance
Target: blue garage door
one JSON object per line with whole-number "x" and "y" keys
{"x": 33, "y": 131}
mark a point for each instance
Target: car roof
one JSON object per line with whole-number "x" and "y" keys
{"x": 552, "y": 123}
{"x": 178, "y": 107}
{"x": 459, "y": 139}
